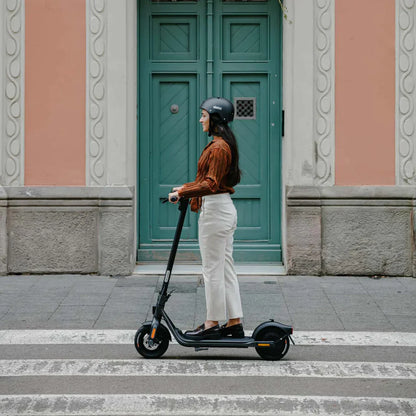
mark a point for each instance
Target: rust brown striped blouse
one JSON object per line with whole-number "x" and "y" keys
{"x": 213, "y": 166}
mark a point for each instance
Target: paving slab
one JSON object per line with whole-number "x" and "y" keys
{"x": 365, "y": 321}
{"x": 315, "y": 322}
{"x": 402, "y": 323}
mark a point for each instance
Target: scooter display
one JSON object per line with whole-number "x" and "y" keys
{"x": 270, "y": 339}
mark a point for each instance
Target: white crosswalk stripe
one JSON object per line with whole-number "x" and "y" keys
{"x": 202, "y": 405}
{"x": 197, "y": 368}
{"x": 15, "y": 370}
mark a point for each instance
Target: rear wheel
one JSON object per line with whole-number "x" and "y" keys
{"x": 160, "y": 343}
{"x": 276, "y": 351}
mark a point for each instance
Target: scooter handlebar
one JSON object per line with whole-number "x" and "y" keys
{"x": 174, "y": 199}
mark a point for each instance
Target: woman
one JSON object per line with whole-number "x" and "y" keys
{"x": 218, "y": 172}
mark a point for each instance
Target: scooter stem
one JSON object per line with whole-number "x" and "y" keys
{"x": 183, "y": 207}
{"x": 163, "y": 297}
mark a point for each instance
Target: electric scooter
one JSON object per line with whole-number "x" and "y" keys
{"x": 270, "y": 339}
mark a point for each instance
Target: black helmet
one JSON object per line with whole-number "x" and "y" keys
{"x": 221, "y": 106}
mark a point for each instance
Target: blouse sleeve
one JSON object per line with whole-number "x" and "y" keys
{"x": 219, "y": 162}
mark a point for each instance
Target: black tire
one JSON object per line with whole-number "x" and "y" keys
{"x": 161, "y": 341}
{"x": 277, "y": 351}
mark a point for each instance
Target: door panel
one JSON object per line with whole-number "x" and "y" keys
{"x": 189, "y": 51}
{"x": 174, "y": 37}
{"x": 251, "y": 200}
{"x": 245, "y": 38}
{"x": 174, "y": 155}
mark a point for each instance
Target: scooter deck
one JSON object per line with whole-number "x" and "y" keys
{"x": 245, "y": 342}
{"x": 224, "y": 342}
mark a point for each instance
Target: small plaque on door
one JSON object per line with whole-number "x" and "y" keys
{"x": 245, "y": 108}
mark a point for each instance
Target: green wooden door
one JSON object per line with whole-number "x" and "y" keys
{"x": 188, "y": 51}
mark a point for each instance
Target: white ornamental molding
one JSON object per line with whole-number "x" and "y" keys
{"x": 405, "y": 92}
{"x": 324, "y": 91}
{"x": 12, "y": 166}
{"x": 96, "y": 92}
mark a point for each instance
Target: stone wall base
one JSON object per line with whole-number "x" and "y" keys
{"x": 365, "y": 230}
{"x": 357, "y": 230}
{"x": 67, "y": 230}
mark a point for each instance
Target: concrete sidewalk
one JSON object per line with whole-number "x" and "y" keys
{"x": 308, "y": 303}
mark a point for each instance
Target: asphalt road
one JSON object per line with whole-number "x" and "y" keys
{"x": 66, "y": 348}
{"x": 112, "y": 379}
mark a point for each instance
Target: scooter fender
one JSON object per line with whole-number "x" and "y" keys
{"x": 287, "y": 330}
{"x": 149, "y": 324}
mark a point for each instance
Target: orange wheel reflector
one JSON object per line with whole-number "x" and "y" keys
{"x": 153, "y": 333}
{"x": 264, "y": 345}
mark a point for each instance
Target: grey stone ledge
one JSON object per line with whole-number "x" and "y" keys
{"x": 352, "y": 202}
{"x": 351, "y": 195}
{"x": 66, "y": 192}
{"x": 15, "y": 203}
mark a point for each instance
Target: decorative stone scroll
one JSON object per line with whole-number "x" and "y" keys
{"x": 96, "y": 91}
{"x": 12, "y": 166}
{"x": 324, "y": 91}
{"x": 406, "y": 92}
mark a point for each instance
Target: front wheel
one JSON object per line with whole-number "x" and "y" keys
{"x": 276, "y": 351}
{"x": 160, "y": 343}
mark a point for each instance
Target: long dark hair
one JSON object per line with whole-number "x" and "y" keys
{"x": 218, "y": 127}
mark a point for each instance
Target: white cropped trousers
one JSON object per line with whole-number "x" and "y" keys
{"x": 216, "y": 225}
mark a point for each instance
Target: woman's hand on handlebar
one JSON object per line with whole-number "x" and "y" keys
{"x": 174, "y": 197}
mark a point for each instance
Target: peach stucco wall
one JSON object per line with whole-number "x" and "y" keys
{"x": 365, "y": 92}
{"x": 55, "y": 89}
